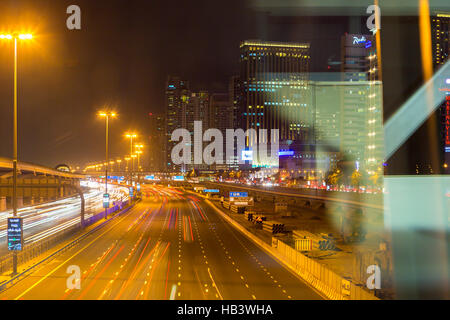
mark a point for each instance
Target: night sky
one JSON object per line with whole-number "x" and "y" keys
{"x": 123, "y": 54}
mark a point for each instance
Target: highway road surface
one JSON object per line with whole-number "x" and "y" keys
{"x": 171, "y": 245}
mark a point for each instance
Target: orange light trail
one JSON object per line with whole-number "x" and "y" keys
{"x": 190, "y": 227}
{"x": 101, "y": 272}
{"x": 129, "y": 279}
{"x": 153, "y": 270}
{"x": 167, "y": 280}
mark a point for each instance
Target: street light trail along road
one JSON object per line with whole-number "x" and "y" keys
{"x": 169, "y": 246}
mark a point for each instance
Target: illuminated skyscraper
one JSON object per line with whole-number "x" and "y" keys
{"x": 157, "y": 142}
{"x": 440, "y": 27}
{"x": 273, "y": 82}
{"x": 361, "y": 133}
{"x": 355, "y": 50}
{"x": 440, "y": 37}
{"x": 222, "y": 118}
{"x": 177, "y": 96}
{"x": 234, "y": 94}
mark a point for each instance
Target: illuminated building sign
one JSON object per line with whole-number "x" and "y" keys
{"x": 15, "y": 234}
{"x": 447, "y": 123}
{"x": 285, "y": 153}
{"x": 131, "y": 192}
{"x": 211, "y": 190}
{"x": 357, "y": 40}
{"x": 178, "y": 178}
{"x": 368, "y": 44}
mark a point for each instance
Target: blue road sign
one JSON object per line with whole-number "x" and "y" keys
{"x": 15, "y": 234}
{"x": 238, "y": 194}
{"x": 211, "y": 190}
{"x": 106, "y": 200}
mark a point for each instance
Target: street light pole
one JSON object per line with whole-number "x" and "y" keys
{"x": 107, "y": 163}
{"x": 15, "y": 37}
{"x": 106, "y": 115}
{"x": 14, "y": 202}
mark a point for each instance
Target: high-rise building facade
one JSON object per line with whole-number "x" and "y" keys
{"x": 273, "y": 85}
{"x": 361, "y": 134}
{"x": 355, "y": 50}
{"x": 440, "y": 28}
{"x": 183, "y": 108}
{"x": 234, "y": 94}
{"x": 198, "y": 109}
{"x": 348, "y": 120}
{"x": 177, "y": 97}
{"x": 157, "y": 137}
{"x": 222, "y": 118}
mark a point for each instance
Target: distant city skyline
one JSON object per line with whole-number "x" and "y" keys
{"x": 123, "y": 54}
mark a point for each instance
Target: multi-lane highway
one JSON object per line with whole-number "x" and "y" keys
{"x": 171, "y": 245}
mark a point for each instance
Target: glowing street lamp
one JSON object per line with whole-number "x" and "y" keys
{"x": 15, "y": 37}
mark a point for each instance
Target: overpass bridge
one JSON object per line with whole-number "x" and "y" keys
{"x": 35, "y": 183}
{"x": 310, "y": 197}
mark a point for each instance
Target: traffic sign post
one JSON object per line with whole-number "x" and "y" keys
{"x": 15, "y": 234}
{"x": 131, "y": 190}
{"x": 106, "y": 200}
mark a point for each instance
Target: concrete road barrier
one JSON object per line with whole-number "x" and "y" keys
{"x": 318, "y": 276}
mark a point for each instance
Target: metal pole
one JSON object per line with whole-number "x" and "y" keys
{"x": 132, "y": 161}
{"x": 107, "y": 163}
{"x": 138, "y": 168}
{"x": 14, "y": 202}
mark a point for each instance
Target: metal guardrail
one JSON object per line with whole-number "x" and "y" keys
{"x": 43, "y": 245}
